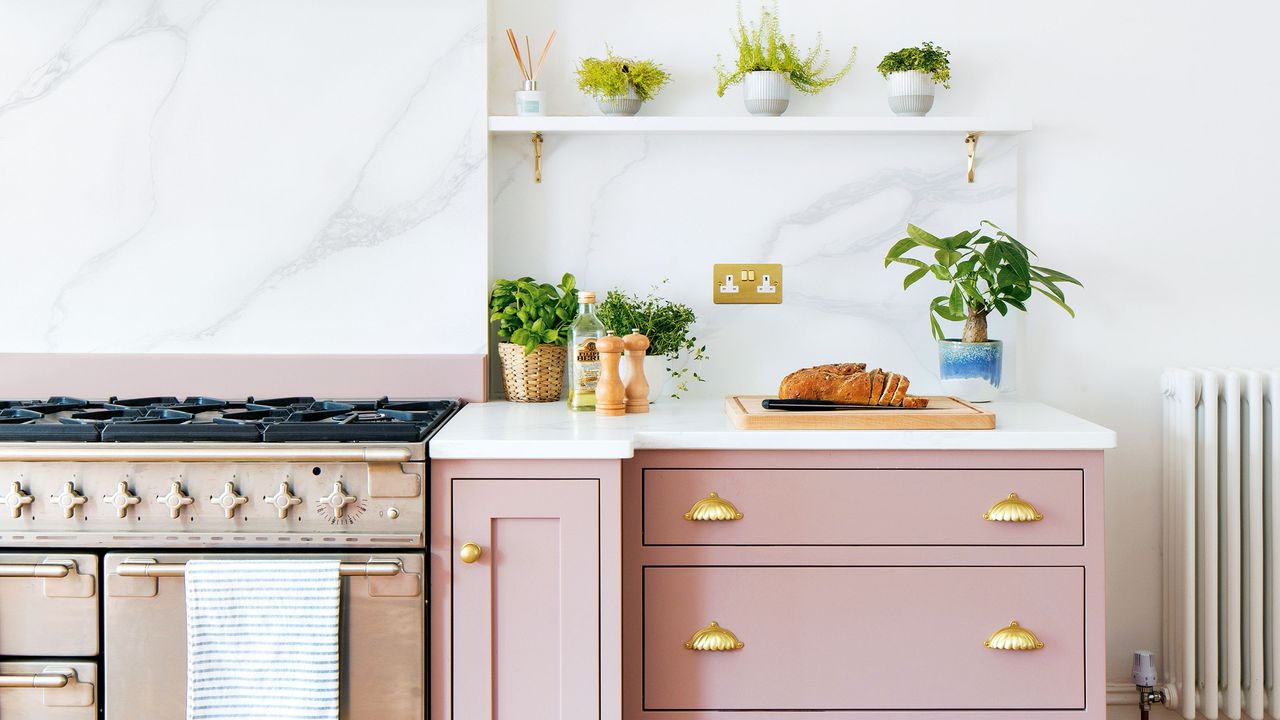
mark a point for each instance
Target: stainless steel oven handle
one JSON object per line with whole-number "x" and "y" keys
{"x": 143, "y": 453}
{"x": 47, "y": 571}
{"x": 48, "y": 679}
{"x": 373, "y": 568}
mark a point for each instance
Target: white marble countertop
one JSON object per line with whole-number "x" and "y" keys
{"x": 503, "y": 430}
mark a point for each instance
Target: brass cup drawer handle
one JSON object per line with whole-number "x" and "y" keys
{"x": 713, "y": 638}
{"x": 470, "y": 553}
{"x": 1013, "y": 637}
{"x": 713, "y": 508}
{"x": 1012, "y": 509}
{"x": 48, "y": 679}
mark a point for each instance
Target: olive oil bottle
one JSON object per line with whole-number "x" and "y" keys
{"x": 584, "y": 358}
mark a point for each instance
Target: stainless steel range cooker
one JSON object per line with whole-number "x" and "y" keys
{"x": 102, "y": 503}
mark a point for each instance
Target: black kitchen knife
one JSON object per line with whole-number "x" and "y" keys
{"x": 818, "y": 405}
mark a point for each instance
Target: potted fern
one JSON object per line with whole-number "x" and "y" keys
{"x": 987, "y": 270}
{"x": 912, "y": 74}
{"x": 672, "y": 346}
{"x": 620, "y": 84}
{"x": 535, "y": 319}
{"x": 770, "y": 64}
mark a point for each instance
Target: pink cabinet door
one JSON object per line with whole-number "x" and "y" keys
{"x": 526, "y": 613}
{"x": 863, "y": 638}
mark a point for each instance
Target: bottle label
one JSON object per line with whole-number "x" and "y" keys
{"x": 586, "y": 366}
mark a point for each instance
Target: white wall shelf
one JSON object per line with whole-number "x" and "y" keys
{"x": 739, "y": 124}
{"x": 970, "y": 128}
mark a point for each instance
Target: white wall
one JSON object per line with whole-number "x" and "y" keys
{"x": 243, "y": 176}
{"x": 1151, "y": 175}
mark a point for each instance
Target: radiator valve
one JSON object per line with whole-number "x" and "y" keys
{"x": 1144, "y": 676}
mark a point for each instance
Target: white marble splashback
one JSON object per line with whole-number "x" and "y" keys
{"x": 264, "y": 176}
{"x": 629, "y": 211}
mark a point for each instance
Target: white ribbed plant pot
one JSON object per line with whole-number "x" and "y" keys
{"x": 622, "y": 105}
{"x": 661, "y": 384}
{"x": 910, "y": 93}
{"x": 765, "y": 92}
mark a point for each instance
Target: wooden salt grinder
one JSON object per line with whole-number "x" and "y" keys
{"x": 637, "y": 391}
{"x": 610, "y": 399}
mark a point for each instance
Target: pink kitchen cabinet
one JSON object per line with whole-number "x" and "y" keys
{"x": 518, "y": 603}
{"x": 739, "y": 585}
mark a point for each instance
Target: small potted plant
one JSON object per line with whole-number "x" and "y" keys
{"x": 535, "y": 319}
{"x": 769, "y": 64}
{"x": 620, "y": 84}
{"x": 672, "y": 346}
{"x": 987, "y": 269}
{"x": 912, "y": 74}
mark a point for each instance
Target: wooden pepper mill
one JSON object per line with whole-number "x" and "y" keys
{"x": 637, "y": 390}
{"x": 610, "y": 398}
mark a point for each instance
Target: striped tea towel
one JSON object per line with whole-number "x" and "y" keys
{"x": 262, "y": 639}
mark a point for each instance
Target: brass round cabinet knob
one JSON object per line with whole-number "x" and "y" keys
{"x": 470, "y": 553}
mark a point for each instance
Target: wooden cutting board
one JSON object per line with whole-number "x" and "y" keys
{"x": 943, "y": 413}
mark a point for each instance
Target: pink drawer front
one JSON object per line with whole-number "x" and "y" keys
{"x": 863, "y": 507}
{"x": 863, "y": 638}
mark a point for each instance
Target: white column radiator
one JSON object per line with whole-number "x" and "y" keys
{"x": 1221, "y": 456}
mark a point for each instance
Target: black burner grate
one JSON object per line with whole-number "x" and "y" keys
{"x": 202, "y": 419}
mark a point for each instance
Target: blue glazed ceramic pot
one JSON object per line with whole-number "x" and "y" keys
{"x": 970, "y": 371}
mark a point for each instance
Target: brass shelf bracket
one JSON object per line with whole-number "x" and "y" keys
{"x": 537, "y": 157}
{"x": 971, "y": 144}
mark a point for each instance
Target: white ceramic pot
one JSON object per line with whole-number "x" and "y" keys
{"x": 766, "y": 93}
{"x": 622, "y": 105}
{"x": 910, "y": 93}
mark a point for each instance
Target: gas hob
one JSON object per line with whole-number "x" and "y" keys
{"x": 206, "y": 419}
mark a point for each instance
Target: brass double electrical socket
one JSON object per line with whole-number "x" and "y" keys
{"x": 746, "y": 283}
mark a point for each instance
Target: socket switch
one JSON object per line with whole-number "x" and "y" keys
{"x": 746, "y": 283}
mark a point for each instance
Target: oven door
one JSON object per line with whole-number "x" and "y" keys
{"x": 48, "y": 605}
{"x": 48, "y": 690}
{"x": 382, "y": 637}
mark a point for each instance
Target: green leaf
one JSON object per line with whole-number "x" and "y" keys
{"x": 913, "y": 276}
{"x": 947, "y": 258}
{"x": 936, "y": 328}
{"x": 956, "y": 302}
{"x": 909, "y": 261}
{"x": 940, "y": 272}
{"x": 1052, "y": 288}
{"x": 1056, "y": 275}
{"x": 900, "y": 247}
{"x": 924, "y": 238}
{"x": 1057, "y": 302}
{"x": 550, "y": 336}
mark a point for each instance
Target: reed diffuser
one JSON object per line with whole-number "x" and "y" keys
{"x": 529, "y": 100}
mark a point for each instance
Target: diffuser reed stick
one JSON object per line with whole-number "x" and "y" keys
{"x": 515, "y": 48}
{"x": 543, "y": 56}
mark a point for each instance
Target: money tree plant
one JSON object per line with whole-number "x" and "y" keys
{"x": 987, "y": 269}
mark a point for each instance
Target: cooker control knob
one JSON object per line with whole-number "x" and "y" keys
{"x": 121, "y": 499}
{"x": 15, "y": 499}
{"x": 338, "y": 500}
{"x": 283, "y": 500}
{"x": 175, "y": 500}
{"x": 68, "y": 500}
{"x": 229, "y": 500}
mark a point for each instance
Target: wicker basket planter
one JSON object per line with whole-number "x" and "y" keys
{"x": 536, "y": 377}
